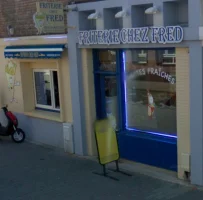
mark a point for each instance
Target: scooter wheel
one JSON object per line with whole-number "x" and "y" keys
{"x": 18, "y": 136}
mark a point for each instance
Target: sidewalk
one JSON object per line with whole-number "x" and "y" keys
{"x": 30, "y": 172}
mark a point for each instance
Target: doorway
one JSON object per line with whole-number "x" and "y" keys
{"x": 109, "y": 98}
{"x": 119, "y": 95}
{"x": 107, "y": 85}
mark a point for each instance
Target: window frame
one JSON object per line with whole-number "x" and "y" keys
{"x": 53, "y": 101}
{"x": 124, "y": 108}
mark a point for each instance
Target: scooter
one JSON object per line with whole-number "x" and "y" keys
{"x": 17, "y": 134}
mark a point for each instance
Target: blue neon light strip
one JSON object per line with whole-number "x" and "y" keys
{"x": 126, "y": 112}
{"x": 125, "y": 89}
{"x": 153, "y": 133}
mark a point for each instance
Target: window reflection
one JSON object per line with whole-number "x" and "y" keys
{"x": 43, "y": 88}
{"x": 151, "y": 90}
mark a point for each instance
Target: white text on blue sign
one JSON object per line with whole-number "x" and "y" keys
{"x": 162, "y": 35}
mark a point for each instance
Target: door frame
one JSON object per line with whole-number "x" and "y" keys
{"x": 97, "y": 83}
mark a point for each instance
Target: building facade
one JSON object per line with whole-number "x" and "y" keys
{"x": 140, "y": 62}
{"x": 34, "y": 71}
{"x": 35, "y": 81}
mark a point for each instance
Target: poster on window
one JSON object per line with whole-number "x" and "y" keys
{"x": 10, "y": 71}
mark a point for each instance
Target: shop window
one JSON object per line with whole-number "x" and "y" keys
{"x": 110, "y": 22}
{"x": 46, "y": 89}
{"x": 139, "y": 18}
{"x": 150, "y": 88}
{"x": 176, "y": 13}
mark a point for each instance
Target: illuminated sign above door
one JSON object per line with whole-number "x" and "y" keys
{"x": 161, "y": 35}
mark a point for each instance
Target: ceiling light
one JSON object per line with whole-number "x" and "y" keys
{"x": 152, "y": 10}
{"x": 95, "y": 15}
{"x": 121, "y": 14}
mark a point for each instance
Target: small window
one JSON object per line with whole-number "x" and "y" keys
{"x": 46, "y": 89}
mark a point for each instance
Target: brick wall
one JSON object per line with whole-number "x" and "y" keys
{"x": 19, "y": 14}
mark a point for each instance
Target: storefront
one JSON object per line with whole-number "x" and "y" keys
{"x": 137, "y": 88}
{"x": 34, "y": 80}
{"x": 140, "y": 65}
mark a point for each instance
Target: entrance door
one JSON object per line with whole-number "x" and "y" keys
{"x": 107, "y": 85}
{"x": 126, "y": 82}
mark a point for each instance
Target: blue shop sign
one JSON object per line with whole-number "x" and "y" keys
{"x": 34, "y": 52}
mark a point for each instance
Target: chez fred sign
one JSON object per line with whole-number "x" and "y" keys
{"x": 162, "y": 35}
{"x": 49, "y": 17}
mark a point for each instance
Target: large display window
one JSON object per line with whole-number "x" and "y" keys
{"x": 150, "y": 90}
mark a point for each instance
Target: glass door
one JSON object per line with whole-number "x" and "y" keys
{"x": 109, "y": 98}
{"x": 106, "y": 87}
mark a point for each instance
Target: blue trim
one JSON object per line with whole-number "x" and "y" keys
{"x": 20, "y": 52}
{"x": 49, "y": 110}
{"x": 122, "y": 89}
{"x": 97, "y": 84}
{"x": 160, "y": 152}
{"x": 172, "y": 135}
{"x": 145, "y": 135}
{"x": 103, "y": 97}
{"x": 119, "y": 89}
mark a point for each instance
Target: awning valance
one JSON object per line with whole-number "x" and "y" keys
{"x": 34, "y": 51}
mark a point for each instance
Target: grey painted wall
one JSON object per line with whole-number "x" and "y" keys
{"x": 76, "y": 79}
{"x": 84, "y": 23}
{"x": 176, "y": 13}
{"x": 194, "y": 14}
{"x": 196, "y": 112}
{"x": 109, "y": 20}
{"x": 42, "y": 131}
{"x": 139, "y": 19}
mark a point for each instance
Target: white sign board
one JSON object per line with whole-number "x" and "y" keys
{"x": 162, "y": 35}
{"x": 49, "y": 17}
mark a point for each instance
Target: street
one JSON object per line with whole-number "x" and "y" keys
{"x": 31, "y": 172}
